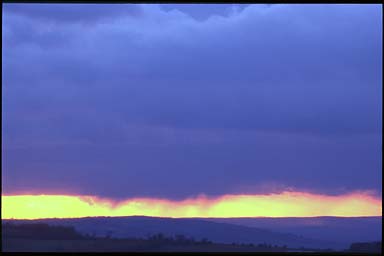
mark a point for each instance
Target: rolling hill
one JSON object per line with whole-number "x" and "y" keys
{"x": 139, "y": 226}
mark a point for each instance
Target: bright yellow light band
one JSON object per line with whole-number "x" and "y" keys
{"x": 286, "y": 204}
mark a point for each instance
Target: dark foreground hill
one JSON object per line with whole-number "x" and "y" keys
{"x": 372, "y": 247}
{"x": 41, "y": 237}
{"x": 143, "y": 227}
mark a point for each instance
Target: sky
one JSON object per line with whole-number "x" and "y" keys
{"x": 176, "y": 101}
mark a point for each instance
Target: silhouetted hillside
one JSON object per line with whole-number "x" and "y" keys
{"x": 43, "y": 237}
{"x": 40, "y": 231}
{"x": 372, "y": 247}
{"x": 344, "y": 230}
{"x": 142, "y": 227}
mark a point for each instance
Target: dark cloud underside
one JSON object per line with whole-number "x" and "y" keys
{"x": 177, "y": 100}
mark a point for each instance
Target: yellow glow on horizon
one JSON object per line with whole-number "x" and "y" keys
{"x": 285, "y": 204}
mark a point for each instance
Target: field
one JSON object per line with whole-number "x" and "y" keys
{"x": 112, "y": 245}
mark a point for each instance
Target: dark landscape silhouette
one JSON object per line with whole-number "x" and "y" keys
{"x": 139, "y": 233}
{"x": 44, "y": 237}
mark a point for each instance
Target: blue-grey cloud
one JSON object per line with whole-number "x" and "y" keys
{"x": 73, "y": 13}
{"x": 203, "y": 12}
{"x": 185, "y": 98}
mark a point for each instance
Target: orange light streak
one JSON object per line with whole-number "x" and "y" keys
{"x": 285, "y": 204}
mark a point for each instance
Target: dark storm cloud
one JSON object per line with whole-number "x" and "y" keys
{"x": 202, "y": 12}
{"x": 72, "y": 13}
{"x": 302, "y": 77}
{"x": 200, "y": 103}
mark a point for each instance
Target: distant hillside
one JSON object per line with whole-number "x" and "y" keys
{"x": 125, "y": 227}
{"x": 345, "y": 230}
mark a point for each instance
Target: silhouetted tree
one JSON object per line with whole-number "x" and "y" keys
{"x": 180, "y": 238}
{"x": 205, "y": 241}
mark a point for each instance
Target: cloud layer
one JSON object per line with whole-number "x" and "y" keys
{"x": 179, "y": 101}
